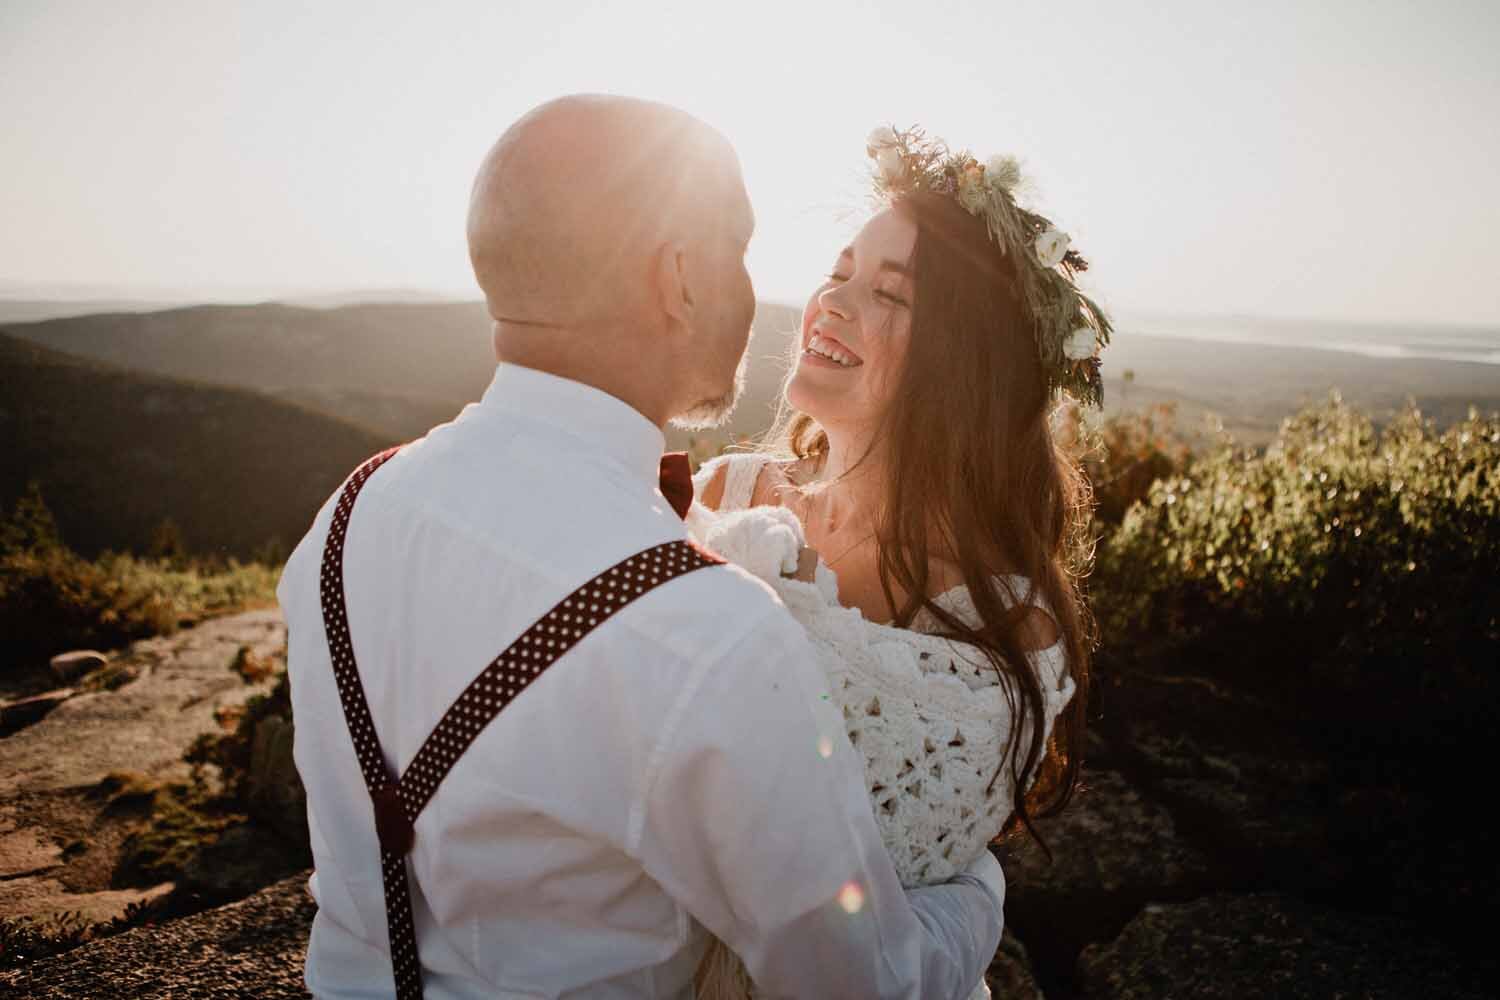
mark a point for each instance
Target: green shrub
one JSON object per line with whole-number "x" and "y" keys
{"x": 1342, "y": 556}
{"x": 52, "y": 599}
{"x": 1125, "y": 454}
{"x": 231, "y": 752}
{"x": 178, "y": 823}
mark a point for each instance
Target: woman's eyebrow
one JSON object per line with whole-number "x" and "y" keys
{"x": 886, "y": 265}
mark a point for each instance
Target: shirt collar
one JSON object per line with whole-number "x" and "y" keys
{"x": 602, "y": 422}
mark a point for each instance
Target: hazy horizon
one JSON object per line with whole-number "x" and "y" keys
{"x": 1128, "y": 321}
{"x": 1317, "y": 162}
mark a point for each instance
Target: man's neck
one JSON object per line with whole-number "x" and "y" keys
{"x": 608, "y": 360}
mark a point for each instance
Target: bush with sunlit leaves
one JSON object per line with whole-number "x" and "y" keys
{"x": 1344, "y": 554}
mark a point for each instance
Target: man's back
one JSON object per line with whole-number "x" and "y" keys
{"x": 628, "y": 791}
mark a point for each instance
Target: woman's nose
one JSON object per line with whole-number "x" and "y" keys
{"x": 835, "y": 300}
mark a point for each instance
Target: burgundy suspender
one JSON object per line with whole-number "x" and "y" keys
{"x": 398, "y": 802}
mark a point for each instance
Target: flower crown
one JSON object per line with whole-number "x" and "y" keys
{"x": 1070, "y": 328}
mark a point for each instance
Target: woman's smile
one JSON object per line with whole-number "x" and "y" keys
{"x": 823, "y": 351}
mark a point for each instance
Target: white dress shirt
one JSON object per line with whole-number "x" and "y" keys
{"x": 681, "y": 768}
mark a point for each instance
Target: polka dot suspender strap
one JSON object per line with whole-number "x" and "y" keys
{"x": 398, "y": 802}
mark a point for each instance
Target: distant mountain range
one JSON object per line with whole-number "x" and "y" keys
{"x": 237, "y": 421}
{"x": 396, "y": 368}
{"x": 22, "y": 302}
{"x": 35, "y": 310}
{"x": 117, "y": 452}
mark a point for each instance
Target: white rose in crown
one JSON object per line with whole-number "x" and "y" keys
{"x": 1080, "y": 344}
{"x": 888, "y": 161}
{"x": 881, "y": 138}
{"x": 1003, "y": 172}
{"x": 1051, "y": 247}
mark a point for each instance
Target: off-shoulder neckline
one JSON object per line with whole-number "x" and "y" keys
{"x": 965, "y": 587}
{"x": 1055, "y": 648}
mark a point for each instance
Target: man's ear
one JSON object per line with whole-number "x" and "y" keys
{"x": 674, "y": 285}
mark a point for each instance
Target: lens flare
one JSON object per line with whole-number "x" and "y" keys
{"x": 852, "y": 898}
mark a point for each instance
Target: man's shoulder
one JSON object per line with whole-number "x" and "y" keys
{"x": 728, "y": 587}
{"x": 718, "y": 613}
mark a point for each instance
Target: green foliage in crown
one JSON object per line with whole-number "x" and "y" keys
{"x": 1070, "y": 328}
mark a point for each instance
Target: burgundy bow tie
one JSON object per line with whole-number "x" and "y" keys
{"x": 677, "y": 481}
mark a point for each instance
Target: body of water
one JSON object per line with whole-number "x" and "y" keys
{"x": 1476, "y": 345}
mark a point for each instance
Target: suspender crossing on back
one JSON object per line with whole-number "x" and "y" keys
{"x": 398, "y": 801}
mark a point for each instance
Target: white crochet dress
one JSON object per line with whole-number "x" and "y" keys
{"x": 928, "y": 715}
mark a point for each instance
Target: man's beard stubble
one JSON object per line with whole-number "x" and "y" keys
{"x": 714, "y": 412}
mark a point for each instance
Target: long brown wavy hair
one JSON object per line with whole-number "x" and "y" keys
{"x": 973, "y": 475}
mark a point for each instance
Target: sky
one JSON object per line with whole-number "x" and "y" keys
{"x": 1331, "y": 160}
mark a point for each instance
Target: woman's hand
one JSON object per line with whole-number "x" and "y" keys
{"x": 807, "y": 565}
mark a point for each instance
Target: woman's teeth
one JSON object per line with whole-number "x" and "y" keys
{"x": 823, "y": 349}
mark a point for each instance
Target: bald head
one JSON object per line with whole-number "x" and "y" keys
{"x": 573, "y": 202}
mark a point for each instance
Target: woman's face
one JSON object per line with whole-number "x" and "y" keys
{"x": 856, "y": 327}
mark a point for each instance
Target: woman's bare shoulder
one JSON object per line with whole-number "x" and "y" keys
{"x": 711, "y": 493}
{"x": 778, "y": 476}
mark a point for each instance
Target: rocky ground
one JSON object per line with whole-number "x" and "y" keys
{"x": 1212, "y": 852}
{"x": 252, "y": 948}
{"x": 78, "y": 779}
{"x": 1217, "y": 851}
